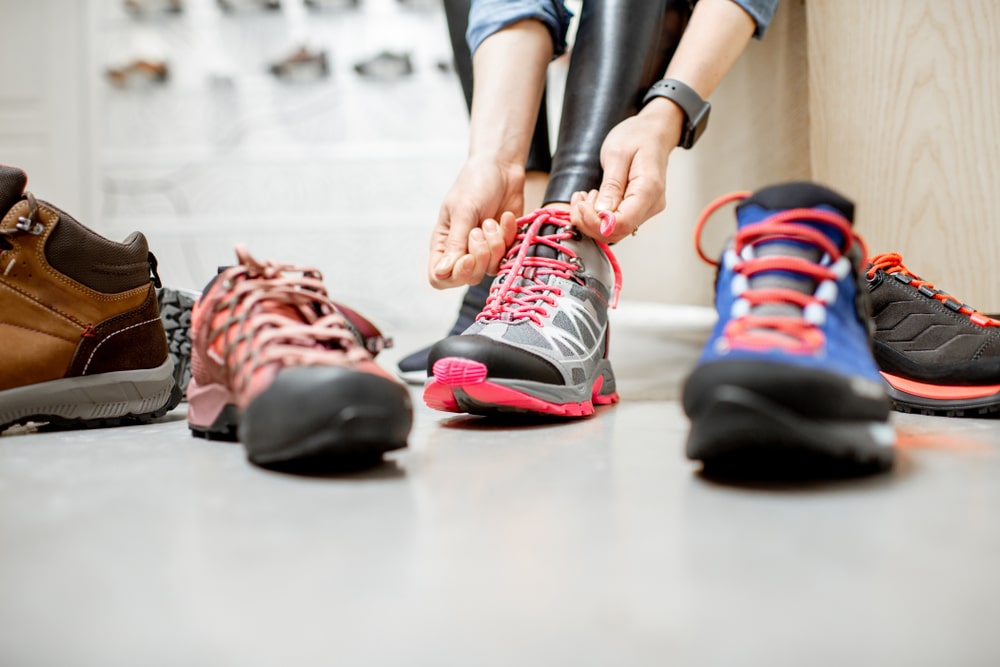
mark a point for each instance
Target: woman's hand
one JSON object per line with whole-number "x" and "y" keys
{"x": 477, "y": 223}
{"x": 634, "y": 158}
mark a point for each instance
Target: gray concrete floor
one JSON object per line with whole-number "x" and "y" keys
{"x": 586, "y": 543}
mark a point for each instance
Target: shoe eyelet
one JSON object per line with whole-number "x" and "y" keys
{"x": 28, "y": 225}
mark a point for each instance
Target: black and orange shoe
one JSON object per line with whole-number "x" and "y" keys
{"x": 938, "y": 355}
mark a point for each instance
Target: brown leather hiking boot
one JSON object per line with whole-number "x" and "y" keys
{"x": 81, "y": 341}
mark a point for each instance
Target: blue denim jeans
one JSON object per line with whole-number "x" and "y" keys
{"x": 488, "y": 16}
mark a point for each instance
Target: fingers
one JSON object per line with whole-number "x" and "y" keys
{"x": 644, "y": 197}
{"x": 641, "y": 202}
{"x": 508, "y": 226}
{"x": 453, "y": 264}
{"x": 449, "y": 243}
{"x": 584, "y": 215}
{"x": 499, "y": 237}
{"x": 616, "y": 165}
{"x": 595, "y": 213}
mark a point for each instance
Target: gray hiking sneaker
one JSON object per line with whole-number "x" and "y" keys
{"x": 541, "y": 343}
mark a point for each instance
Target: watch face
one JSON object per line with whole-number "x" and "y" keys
{"x": 700, "y": 122}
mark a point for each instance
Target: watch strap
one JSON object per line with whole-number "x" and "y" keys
{"x": 696, "y": 110}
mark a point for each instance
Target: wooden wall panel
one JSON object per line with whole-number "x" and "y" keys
{"x": 905, "y": 118}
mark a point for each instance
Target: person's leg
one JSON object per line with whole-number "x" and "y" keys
{"x": 413, "y": 367}
{"x": 541, "y": 345}
{"x": 621, "y": 49}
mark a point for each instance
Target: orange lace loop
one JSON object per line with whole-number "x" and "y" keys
{"x": 761, "y": 333}
{"x": 707, "y": 213}
{"x": 759, "y": 297}
{"x": 523, "y": 294}
{"x": 888, "y": 262}
{"x": 795, "y": 334}
{"x": 891, "y": 263}
{"x": 751, "y": 267}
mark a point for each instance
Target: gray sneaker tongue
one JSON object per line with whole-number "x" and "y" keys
{"x": 774, "y": 279}
{"x": 12, "y": 184}
{"x": 541, "y": 249}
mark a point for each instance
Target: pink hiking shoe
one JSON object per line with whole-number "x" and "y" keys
{"x": 278, "y": 365}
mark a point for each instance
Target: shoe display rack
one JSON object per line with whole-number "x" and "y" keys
{"x": 313, "y": 129}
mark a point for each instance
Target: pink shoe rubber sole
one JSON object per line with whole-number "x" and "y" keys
{"x": 469, "y": 378}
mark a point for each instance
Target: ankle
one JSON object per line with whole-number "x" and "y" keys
{"x": 557, "y": 205}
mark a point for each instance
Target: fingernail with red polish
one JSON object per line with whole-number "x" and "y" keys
{"x": 608, "y": 222}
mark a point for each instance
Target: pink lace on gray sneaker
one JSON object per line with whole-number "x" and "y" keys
{"x": 525, "y": 293}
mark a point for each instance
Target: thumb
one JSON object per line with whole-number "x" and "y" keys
{"x": 446, "y": 261}
{"x": 456, "y": 228}
{"x": 613, "y": 184}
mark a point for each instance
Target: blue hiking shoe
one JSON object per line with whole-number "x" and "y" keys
{"x": 787, "y": 379}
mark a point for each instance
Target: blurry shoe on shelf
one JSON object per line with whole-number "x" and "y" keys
{"x": 279, "y": 366}
{"x": 141, "y": 7}
{"x": 323, "y": 5}
{"x": 175, "y": 312}
{"x": 386, "y": 66}
{"x": 787, "y": 381}
{"x": 938, "y": 355}
{"x": 235, "y": 5}
{"x": 540, "y": 345}
{"x": 139, "y": 72}
{"x": 301, "y": 64}
{"x": 420, "y": 5}
{"x": 83, "y": 344}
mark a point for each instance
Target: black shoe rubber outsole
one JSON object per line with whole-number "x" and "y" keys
{"x": 739, "y": 433}
{"x": 175, "y": 312}
{"x": 969, "y": 408}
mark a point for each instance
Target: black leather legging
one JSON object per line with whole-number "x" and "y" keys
{"x": 622, "y": 47}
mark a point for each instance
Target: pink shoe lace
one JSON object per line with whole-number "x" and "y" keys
{"x": 800, "y": 335}
{"x": 267, "y": 317}
{"x": 523, "y": 293}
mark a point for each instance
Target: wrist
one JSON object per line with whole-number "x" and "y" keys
{"x": 668, "y": 116}
{"x": 498, "y": 155}
{"x": 501, "y": 159}
{"x": 695, "y": 108}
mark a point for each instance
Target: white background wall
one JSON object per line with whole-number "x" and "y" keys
{"x": 43, "y": 93}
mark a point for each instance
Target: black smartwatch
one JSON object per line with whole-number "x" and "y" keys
{"x": 695, "y": 109}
